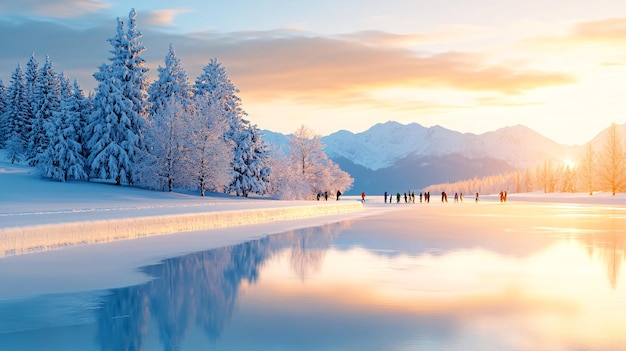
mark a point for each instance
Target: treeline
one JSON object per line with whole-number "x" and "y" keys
{"x": 167, "y": 134}
{"x": 600, "y": 167}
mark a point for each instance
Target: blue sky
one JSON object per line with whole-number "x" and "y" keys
{"x": 472, "y": 66}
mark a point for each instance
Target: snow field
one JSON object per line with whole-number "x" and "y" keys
{"x": 36, "y": 238}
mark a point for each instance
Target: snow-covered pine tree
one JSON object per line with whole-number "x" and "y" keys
{"x": 250, "y": 163}
{"x": 80, "y": 108}
{"x": 116, "y": 141}
{"x": 170, "y": 100}
{"x": 3, "y": 109}
{"x": 34, "y": 101}
{"x": 48, "y": 94}
{"x": 172, "y": 84}
{"x": 64, "y": 158}
{"x": 215, "y": 87}
{"x": 16, "y": 117}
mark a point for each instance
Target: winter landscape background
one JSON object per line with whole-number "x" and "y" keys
{"x": 395, "y": 157}
{"x": 151, "y": 212}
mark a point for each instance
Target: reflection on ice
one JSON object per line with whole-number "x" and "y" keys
{"x": 471, "y": 277}
{"x": 201, "y": 289}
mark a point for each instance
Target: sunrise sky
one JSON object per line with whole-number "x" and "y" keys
{"x": 556, "y": 66}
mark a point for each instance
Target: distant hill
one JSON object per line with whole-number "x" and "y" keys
{"x": 396, "y": 157}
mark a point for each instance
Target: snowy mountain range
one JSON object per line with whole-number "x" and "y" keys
{"x": 395, "y": 157}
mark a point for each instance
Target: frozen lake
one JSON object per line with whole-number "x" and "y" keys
{"x": 456, "y": 276}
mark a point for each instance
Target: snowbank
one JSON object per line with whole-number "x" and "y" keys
{"x": 33, "y": 238}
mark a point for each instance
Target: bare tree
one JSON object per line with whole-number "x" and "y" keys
{"x": 306, "y": 149}
{"x": 587, "y": 168}
{"x": 612, "y": 165}
{"x": 306, "y": 170}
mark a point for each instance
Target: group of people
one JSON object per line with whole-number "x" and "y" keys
{"x": 457, "y": 197}
{"x": 425, "y": 197}
{"x": 408, "y": 197}
{"x": 325, "y": 195}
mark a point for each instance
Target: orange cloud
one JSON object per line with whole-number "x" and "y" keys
{"x": 163, "y": 17}
{"x": 611, "y": 30}
{"x": 288, "y": 66}
{"x": 602, "y": 32}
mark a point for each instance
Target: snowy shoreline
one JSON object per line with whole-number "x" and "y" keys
{"x": 42, "y": 237}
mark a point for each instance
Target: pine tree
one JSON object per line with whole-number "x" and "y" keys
{"x": 250, "y": 166}
{"x": 64, "y": 159}
{"x": 48, "y": 94}
{"x": 16, "y": 117}
{"x": 116, "y": 141}
{"x": 3, "y": 115}
{"x": 215, "y": 89}
{"x": 170, "y": 101}
{"x": 31, "y": 76}
{"x": 80, "y": 108}
{"x": 172, "y": 84}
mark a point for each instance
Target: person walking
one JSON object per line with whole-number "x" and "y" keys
{"x": 363, "y": 196}
{"x": 338, "y": 194}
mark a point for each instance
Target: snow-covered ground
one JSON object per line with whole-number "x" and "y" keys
{"x": 38, "y": 215}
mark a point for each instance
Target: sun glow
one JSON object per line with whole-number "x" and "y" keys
{"x": 567, "y": 163}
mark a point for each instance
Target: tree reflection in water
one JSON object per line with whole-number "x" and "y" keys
{"x": 606, "y": 241}
{"x": 202, "y": 288}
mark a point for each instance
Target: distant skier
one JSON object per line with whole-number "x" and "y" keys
{"x": 363, "y": 196}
